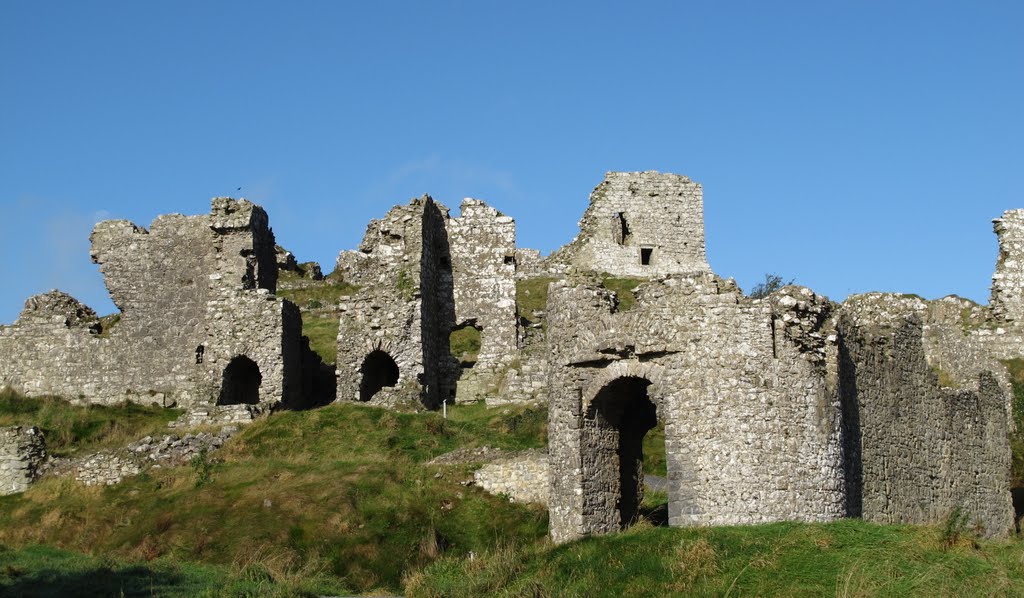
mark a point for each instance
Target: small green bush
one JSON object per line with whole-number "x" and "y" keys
{"x": 771, "y": 283}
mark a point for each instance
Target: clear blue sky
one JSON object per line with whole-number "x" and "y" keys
{"x": 853, "y": 146}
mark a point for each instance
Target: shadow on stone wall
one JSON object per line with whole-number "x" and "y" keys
{"x": 851, "y": 433}
{"x": 437, "y": 315}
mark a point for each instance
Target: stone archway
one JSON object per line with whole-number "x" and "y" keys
{"x": 378, "y": 371}
{"x": 241, "y": 382}
{"x": 613, "y": 429}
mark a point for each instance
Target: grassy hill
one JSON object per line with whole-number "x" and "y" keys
{"x": 341, "y": 500}
{"x": 340, "y": 492}
{"x": 846, "y": 558}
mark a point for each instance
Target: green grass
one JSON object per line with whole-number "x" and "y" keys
{"x": 108, "y": 322}
{"x": 1016, "y": 369}
{"x": 532, "y": 295}
{"x": 654, "y": 451}
{"x": 70, "y": 429}
{"x": 623, "y": 289}
{"x": 405, "y": 285}
{"x": 45, "y": 571}
{"x": 322, "y": 331}
{"x": 846, "y": 558}
{"x": 324, "y": 293}
{"x": 945, "y": 378}
{"x": 342, "y": 490}
{"x": 465, "y": 344}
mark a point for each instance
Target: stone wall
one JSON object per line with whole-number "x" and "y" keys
{"x": 1007, "y": 301}
{"x": 917, "y": 451}
{"x": 483, "y": 251}
{"x": 752, "y": 429}
{"x": 523, "y": 477}
{"x": 393, "y": 333}
{"x": 195, "y": 294}
{"x": 22, "y": 454}
{"x": 639, "y": 224}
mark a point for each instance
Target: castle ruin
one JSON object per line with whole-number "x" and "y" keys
{"x": 787, "y": 407}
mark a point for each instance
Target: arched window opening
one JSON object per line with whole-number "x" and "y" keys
{"x": 378, "y": 371}
{"x": 464, "y": 344}
{"x": 241, "y": 385}
{"x": 621, "y": 415}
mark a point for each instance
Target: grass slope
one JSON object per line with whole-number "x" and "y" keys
{"x": 341, "y": 491}
{"x": 43, "y": 571}
{"x": 846, "y": 558}
{"x": 69, "y": 429}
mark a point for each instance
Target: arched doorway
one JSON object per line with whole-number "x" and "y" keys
{"x": 241, "y": 384}
{"x": 379, "y": 370}
{"x": 615, "y": 424}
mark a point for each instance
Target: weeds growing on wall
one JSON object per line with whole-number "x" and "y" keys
{"x": 405, "y": 285}
{"x": 532, "y": 296}
{"x": 624, "y": 290}
{"x": 770, "y": 284}
{"x": 107, "y": 323}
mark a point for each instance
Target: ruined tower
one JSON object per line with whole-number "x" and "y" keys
{"x": 198, "y": 323}
{"x": 393, "y": 333}
{"x": 640, "y": 224}
{"x": 1007, "y": 299}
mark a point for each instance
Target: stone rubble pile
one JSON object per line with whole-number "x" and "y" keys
{"x": 522, "y": 477}
{"x": 112, "y": 467}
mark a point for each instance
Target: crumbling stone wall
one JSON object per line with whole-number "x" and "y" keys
{"x": 22, "y": 454}
{"x": 917, "y": 451}
{"x": 195, "y": 293}
{"x": 639, "y": 224}
{"x": 483, "y": 250}
{"x": 523, "y": 477}
{"x": 393, "y": 334}
{"x": 1007, "y": 301}
{"x": 752, "y": 429}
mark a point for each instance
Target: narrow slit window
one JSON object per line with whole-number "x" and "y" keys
{"x": 646, "y": 253}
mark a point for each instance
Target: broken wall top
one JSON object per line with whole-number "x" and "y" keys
{"x": 640, "y": 224}
{"x": 1007, "y": 300}
{"x": 231, "y": 248}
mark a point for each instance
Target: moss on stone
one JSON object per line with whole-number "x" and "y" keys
{"x": 624, "y": 289}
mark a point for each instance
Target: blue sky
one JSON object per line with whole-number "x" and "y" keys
{"x": 853, "y": 146}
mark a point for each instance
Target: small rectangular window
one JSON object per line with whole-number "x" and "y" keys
{"x": 645, "y": 255}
